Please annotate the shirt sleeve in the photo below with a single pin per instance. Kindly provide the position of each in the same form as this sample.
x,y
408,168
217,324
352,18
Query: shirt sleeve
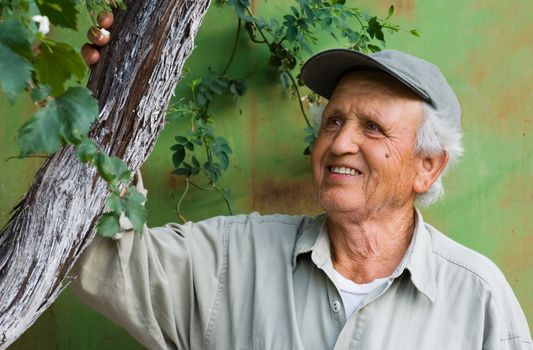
x,y
148,285
506,326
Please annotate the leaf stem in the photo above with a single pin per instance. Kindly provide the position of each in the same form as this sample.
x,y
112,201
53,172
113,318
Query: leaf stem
x,y
228,204
258,29
234,49
199,187
297,90
182,197
23,157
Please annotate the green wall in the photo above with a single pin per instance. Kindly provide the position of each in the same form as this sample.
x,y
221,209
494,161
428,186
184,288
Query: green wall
x,y
484,49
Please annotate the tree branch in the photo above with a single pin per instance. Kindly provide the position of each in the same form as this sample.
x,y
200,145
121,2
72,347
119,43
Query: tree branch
x,y
56,220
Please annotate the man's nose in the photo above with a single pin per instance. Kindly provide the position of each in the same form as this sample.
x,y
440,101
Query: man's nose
x,y
347,140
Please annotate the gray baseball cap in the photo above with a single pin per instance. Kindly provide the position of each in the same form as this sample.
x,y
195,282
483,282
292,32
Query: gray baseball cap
x,y
322,72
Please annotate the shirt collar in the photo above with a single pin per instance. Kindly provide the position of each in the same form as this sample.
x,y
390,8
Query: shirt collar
x,y
417,259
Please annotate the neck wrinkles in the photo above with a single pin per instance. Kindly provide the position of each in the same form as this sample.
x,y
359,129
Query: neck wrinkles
x,y
365,249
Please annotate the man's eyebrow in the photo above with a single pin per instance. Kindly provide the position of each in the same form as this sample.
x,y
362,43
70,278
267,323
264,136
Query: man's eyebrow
x,y
333,110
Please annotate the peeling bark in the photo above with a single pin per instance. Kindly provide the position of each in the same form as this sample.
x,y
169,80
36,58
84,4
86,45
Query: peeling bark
x,y
56,220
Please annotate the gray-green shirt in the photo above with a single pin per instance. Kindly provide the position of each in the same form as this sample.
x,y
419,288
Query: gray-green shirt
x,y
265,282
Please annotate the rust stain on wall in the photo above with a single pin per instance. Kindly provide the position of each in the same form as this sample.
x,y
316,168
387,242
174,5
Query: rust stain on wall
x,y
287,196
404,7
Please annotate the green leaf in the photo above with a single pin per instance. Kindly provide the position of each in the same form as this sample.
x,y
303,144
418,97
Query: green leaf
x,y
120,169
86,151
77,109
390,12
62,13
114,203
182,172
224,160
17,37
40,93
64,120
105,166
195,162
133,208
42,132
56,63
181,139
15,72
108,225
415,32
112,168
15,50
178,156
373,48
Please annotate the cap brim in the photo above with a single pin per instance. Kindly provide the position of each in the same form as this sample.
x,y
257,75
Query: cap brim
x,y
322,72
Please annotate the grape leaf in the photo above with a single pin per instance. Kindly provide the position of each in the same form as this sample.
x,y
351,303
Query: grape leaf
x,y
15,69
40,93
62,13
15,36
133,208
113,202
41,133
86,150
77,109
15,72
65,120
108,225
120,169
56,63
105,166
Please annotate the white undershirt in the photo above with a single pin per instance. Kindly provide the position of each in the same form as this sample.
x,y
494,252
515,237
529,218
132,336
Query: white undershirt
x,y
352,293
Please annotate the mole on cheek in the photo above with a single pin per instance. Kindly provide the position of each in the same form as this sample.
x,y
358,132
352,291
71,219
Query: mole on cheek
x,y
387,155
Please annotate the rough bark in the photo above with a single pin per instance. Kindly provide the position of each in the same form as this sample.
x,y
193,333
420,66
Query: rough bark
x,y
56,220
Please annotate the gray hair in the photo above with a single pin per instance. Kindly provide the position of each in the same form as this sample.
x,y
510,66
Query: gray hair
x,y
434,136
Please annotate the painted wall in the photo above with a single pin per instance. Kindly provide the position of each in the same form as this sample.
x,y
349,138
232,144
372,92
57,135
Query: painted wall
x,y
484,48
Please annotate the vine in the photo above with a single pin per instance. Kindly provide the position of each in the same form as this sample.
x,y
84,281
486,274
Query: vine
x,y
50,71
287,39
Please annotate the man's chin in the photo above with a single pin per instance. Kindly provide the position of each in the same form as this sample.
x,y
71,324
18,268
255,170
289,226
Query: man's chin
x,y
340,203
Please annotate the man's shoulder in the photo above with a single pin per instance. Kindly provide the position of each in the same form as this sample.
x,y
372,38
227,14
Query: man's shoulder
x,y
252,224
255,219
455,256
465,272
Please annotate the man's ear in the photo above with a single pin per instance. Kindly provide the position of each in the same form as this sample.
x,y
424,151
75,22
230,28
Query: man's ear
x,y
429,170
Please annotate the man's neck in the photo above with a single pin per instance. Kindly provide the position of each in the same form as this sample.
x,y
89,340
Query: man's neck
x,y
364,249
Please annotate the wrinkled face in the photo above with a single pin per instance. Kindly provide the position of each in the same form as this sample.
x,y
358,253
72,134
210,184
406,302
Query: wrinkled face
x,y
363,159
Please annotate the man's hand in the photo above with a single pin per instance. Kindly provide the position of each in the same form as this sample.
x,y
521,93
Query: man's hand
x,y
99,36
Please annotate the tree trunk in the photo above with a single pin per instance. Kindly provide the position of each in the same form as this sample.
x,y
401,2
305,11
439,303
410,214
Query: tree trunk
x,y
133,83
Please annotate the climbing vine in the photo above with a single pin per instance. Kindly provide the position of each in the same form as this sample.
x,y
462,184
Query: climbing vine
x,y
33,62
288,39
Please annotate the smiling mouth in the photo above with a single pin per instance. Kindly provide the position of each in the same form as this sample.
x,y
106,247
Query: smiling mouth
x,y
344,171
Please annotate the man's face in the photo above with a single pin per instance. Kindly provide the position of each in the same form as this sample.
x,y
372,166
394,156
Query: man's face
x,y
363,159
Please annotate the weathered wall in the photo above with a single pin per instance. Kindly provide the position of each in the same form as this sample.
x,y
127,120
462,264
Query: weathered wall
x,y
482,46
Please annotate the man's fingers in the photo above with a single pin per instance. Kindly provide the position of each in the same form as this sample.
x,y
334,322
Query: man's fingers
x,y
90,54
98,36
105,19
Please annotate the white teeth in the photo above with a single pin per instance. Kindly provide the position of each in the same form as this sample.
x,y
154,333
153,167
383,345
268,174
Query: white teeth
x,y
345,171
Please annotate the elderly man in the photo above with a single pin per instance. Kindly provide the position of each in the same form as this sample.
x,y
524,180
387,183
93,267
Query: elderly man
x,y
367,274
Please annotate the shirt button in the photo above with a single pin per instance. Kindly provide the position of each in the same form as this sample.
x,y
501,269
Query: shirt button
x,y
336,305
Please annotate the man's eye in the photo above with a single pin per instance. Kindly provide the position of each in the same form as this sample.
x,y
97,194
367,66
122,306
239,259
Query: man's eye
x,y
333,122
373,127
